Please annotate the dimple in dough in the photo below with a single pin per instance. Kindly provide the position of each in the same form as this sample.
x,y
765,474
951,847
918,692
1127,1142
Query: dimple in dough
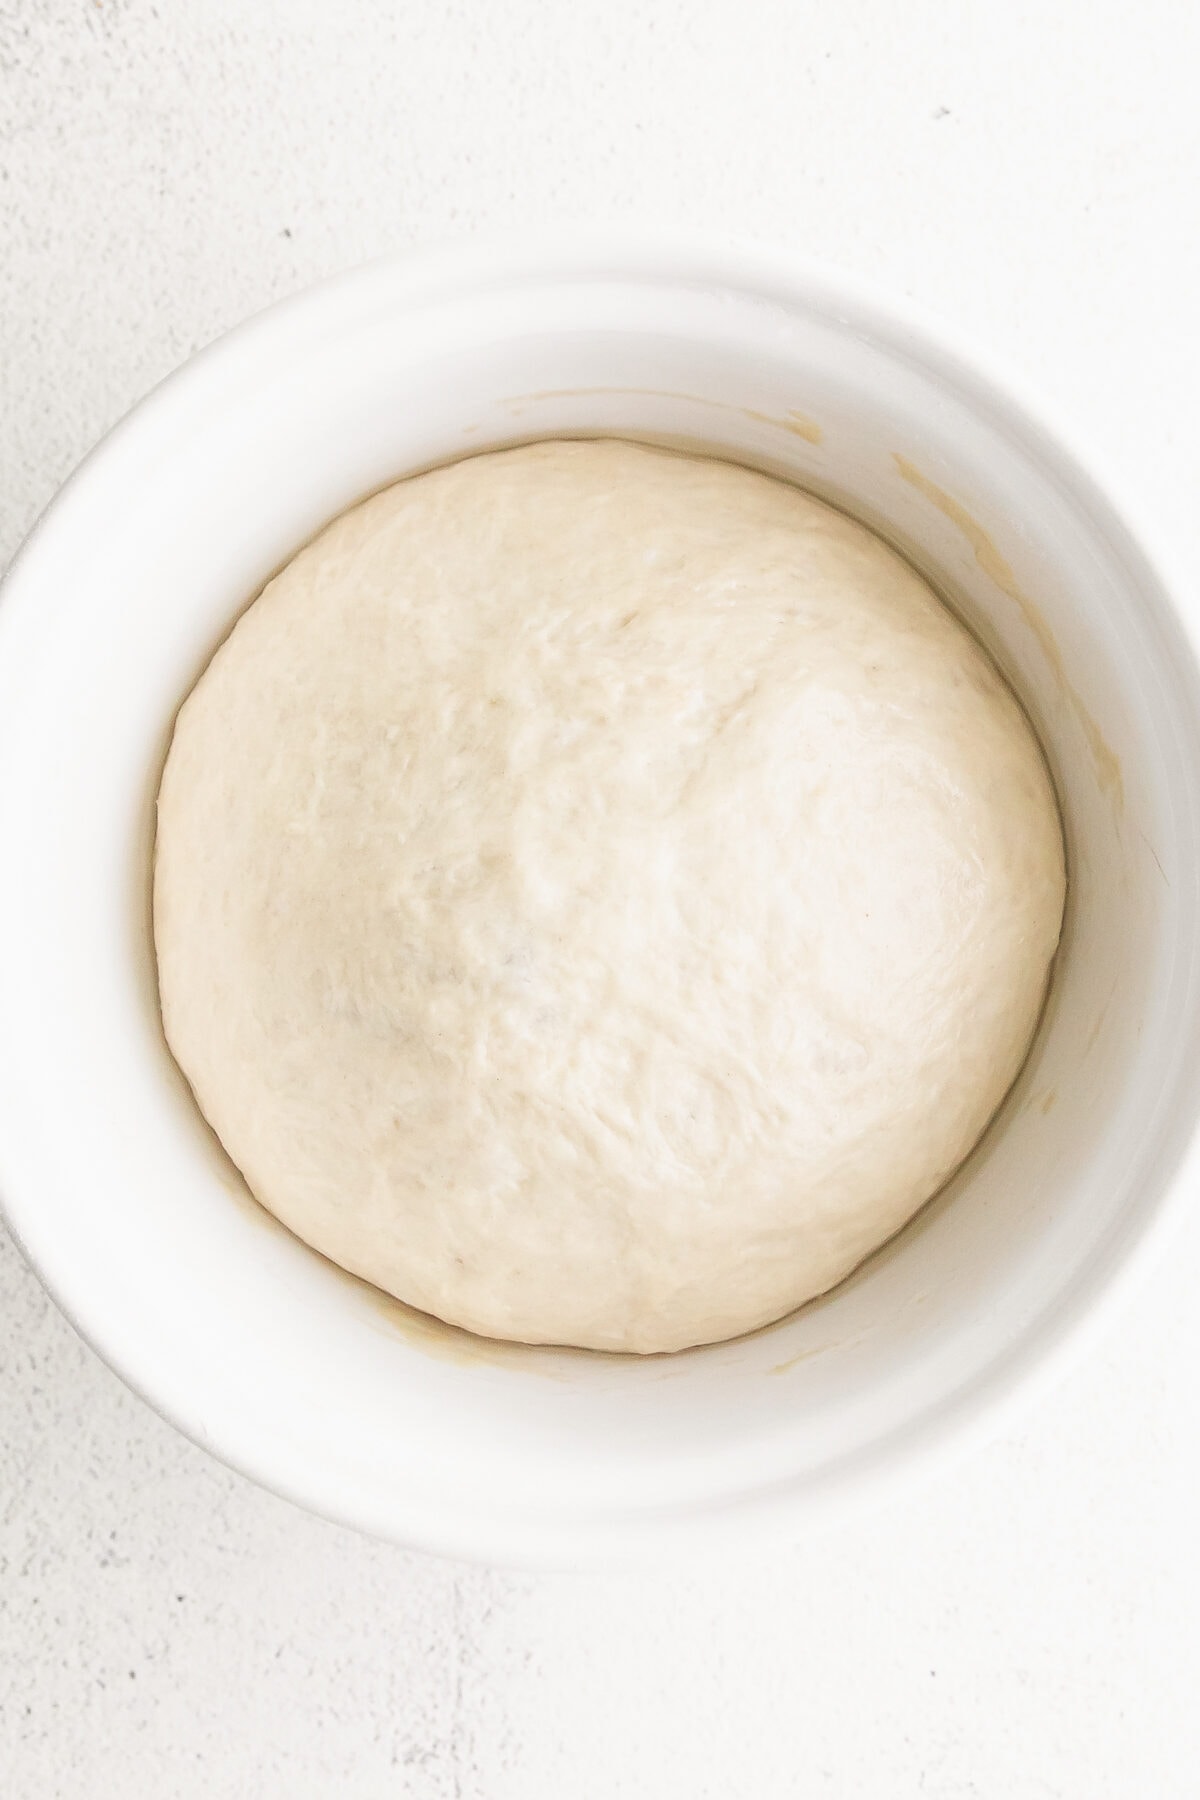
x,y
601,894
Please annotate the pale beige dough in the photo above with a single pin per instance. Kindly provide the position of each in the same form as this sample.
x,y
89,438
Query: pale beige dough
x,y
601,894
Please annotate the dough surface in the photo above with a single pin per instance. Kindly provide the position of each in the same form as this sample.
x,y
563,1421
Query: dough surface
x,y
601,894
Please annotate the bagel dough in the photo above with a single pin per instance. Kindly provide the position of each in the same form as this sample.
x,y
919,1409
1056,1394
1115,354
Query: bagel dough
x,y
601,894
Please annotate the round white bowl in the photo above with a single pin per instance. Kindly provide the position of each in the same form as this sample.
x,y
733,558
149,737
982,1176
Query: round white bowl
x,y
312,1382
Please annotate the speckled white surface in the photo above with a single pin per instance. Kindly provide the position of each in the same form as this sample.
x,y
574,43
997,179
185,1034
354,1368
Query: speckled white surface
x,y
1023,1628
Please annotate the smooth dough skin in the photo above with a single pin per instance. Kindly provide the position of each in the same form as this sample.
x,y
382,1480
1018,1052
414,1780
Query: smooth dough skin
x,y
601,894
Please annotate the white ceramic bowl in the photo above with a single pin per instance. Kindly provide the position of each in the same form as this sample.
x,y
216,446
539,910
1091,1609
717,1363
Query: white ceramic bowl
x,y
310,1381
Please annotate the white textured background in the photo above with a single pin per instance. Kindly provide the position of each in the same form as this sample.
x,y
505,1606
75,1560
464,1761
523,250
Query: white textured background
x,y
1028,1626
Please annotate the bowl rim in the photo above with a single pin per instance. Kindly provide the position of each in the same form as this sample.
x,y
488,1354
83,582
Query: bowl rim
x,y
584,255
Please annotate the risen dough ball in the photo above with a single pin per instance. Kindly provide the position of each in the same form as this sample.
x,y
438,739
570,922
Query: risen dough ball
x,y
601,894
